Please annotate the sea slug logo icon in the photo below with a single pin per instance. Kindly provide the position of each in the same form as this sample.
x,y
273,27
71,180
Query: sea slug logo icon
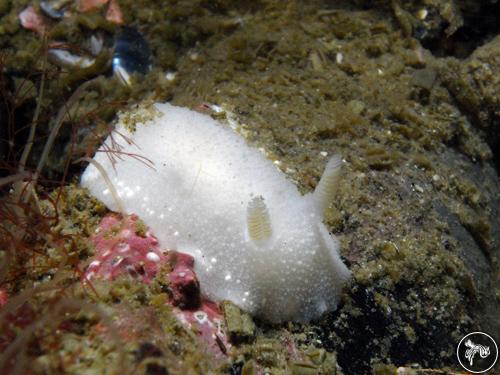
x,y
484,351
477,352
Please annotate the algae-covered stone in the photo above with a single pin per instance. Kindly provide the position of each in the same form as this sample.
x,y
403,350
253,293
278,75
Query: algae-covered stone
x,y
424,78
239,324
475,84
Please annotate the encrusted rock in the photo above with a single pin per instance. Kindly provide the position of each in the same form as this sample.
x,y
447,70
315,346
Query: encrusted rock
x,y
239,324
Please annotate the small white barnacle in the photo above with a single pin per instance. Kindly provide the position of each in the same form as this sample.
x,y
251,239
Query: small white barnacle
x,y
327,185
153,257
258,221
201,316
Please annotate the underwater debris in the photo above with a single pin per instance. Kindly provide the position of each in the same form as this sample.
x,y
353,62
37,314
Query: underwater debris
x,y
129,53
32,20
58,9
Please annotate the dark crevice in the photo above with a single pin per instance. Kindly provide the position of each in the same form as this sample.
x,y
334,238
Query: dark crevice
x,y
479,26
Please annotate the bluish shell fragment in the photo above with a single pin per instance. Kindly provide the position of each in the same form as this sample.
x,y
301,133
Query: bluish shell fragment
x,y
131,54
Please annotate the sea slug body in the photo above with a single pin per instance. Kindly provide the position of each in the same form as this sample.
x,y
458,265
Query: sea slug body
x,y
255,239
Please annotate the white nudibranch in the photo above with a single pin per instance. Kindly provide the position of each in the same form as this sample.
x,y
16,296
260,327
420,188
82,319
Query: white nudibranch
x,y
255,239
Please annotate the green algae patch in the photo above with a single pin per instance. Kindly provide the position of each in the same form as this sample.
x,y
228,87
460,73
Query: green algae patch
x,y
144,113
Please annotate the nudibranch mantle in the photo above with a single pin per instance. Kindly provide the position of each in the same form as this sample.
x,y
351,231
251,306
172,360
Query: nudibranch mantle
x,y
256,240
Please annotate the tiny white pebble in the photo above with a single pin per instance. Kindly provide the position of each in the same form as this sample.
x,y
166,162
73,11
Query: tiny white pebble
x,y
216,108
227,278
95,263
419,188
153,257
422,14
323,153
182,274
339,57
170,76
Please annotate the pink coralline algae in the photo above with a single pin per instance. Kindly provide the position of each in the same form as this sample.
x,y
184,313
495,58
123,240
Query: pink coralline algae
x,y
125,246
185,288
207,320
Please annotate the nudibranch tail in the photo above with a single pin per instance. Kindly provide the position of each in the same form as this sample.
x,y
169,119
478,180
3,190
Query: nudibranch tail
x,y
258,221
327,186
